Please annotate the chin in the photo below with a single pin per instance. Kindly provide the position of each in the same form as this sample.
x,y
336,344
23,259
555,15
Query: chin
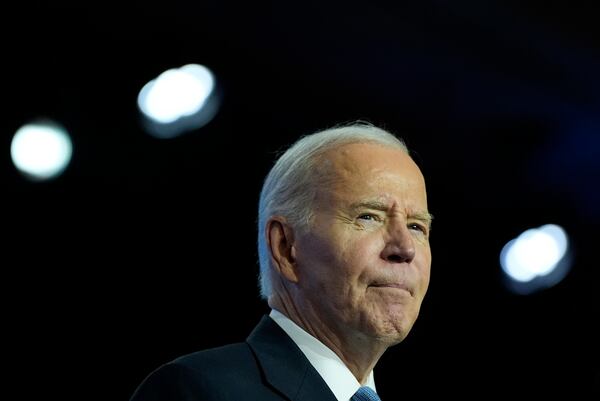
x,y
396,335
389,324
395,328
390,338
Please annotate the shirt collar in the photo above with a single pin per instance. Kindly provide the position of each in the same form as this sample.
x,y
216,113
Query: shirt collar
x,y
332,369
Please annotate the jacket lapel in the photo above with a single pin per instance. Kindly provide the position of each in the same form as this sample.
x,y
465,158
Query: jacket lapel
x,y
285,367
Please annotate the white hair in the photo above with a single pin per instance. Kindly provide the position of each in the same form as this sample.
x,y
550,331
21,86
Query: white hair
x,y
291,186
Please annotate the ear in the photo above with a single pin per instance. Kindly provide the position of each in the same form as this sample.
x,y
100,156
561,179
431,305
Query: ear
x,y
280,240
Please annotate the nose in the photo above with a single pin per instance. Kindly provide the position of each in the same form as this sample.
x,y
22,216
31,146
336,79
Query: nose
x,y
399,244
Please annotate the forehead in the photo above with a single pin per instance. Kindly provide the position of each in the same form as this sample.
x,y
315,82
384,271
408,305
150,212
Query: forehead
x,y
362,155
359,170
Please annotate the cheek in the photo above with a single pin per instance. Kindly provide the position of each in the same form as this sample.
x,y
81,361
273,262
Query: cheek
x,y
424,264
340,260
320,261
360,257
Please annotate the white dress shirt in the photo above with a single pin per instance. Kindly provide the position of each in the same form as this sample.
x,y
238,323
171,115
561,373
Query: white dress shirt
x,y
336,374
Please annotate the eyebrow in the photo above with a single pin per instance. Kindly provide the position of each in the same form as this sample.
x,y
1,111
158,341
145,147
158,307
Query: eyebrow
x,y
371,204
423,216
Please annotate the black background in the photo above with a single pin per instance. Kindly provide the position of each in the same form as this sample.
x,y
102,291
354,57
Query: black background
x,y
133,255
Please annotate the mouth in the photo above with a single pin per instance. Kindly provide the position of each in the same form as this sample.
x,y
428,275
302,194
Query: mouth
x,y
397,286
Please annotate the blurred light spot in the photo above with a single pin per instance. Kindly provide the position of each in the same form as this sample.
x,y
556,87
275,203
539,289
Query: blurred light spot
x,y
41,150
178,100
536,259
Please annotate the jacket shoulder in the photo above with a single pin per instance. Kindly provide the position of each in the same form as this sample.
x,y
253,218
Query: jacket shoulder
x,y
226,373
219,361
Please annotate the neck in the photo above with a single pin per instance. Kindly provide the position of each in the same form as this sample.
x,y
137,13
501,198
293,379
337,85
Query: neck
x,y
359,352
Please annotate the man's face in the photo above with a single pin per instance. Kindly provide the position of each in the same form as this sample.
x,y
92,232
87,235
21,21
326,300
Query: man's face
x,y
364,263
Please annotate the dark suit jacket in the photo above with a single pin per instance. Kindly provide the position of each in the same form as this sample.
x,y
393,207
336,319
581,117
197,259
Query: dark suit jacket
x,y
269,366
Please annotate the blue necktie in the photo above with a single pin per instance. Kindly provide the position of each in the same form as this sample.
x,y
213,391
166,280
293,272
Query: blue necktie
x,y
365,394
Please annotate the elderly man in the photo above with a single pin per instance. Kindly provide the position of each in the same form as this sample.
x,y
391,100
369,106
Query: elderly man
x,y
345,261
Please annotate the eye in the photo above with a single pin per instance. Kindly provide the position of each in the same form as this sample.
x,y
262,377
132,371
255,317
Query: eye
x,y
368,217
418,227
